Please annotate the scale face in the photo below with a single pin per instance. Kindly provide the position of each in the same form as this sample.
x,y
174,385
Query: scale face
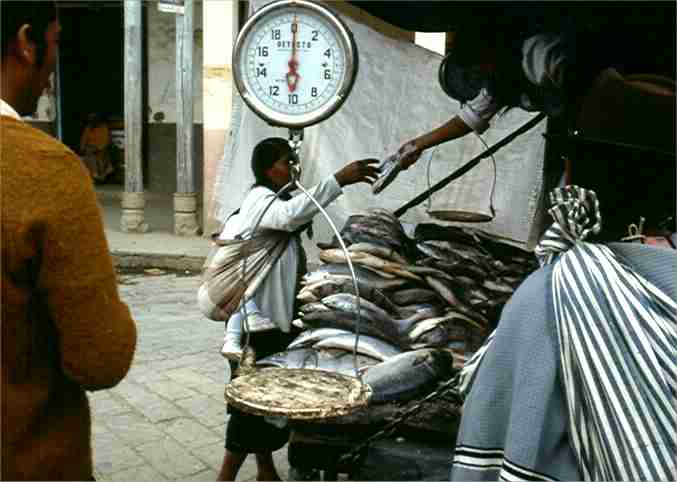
x,y
294,63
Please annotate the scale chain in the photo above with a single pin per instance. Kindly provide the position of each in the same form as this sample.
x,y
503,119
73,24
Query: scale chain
x,y
450,386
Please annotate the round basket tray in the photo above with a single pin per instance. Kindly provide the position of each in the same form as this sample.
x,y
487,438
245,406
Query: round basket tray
x,y
297,393
460,216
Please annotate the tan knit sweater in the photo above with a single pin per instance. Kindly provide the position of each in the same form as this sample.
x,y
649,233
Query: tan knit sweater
x,y
64,328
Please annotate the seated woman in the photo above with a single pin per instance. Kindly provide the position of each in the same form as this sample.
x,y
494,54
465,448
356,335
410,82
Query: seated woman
x,y
579,379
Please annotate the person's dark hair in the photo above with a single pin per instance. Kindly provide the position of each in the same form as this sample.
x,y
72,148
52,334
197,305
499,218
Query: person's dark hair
x,y
37,14
265,154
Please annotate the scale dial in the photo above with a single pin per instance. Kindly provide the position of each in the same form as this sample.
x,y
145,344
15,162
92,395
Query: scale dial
x,y
294,63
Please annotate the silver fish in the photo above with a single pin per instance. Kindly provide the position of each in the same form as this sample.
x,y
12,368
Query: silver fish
x,y
363,275
346,320
337,361
348,303
409,375
331,286
310,337
421,311
313,307
366,345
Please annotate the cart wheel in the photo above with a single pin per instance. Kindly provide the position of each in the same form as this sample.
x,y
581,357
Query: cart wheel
x,y
299,474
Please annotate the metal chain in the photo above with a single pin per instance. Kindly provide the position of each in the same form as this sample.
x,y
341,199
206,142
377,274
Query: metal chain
x,y
450,386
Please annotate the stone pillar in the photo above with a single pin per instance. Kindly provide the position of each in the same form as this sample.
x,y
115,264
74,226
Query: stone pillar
x,y
185,199
133,199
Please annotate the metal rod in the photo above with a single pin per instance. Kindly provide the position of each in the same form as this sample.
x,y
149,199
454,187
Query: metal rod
x,y
469,165
352,274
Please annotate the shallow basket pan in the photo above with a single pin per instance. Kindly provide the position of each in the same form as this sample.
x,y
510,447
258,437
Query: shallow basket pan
x,y
297,393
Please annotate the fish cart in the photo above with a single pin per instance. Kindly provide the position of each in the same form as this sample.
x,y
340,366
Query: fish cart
x,y
428,300
419,448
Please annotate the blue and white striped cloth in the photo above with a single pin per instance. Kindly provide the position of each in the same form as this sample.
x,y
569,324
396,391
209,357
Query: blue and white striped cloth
x,y
617,335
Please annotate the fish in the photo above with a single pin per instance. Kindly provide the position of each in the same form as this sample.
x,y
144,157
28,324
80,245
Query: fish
x,y
310,337
408,375
413,295
313,307
369,261
347,320
337,361
427,231
348,302
443,289
330,286
334,271
457,268
498,287
420,311
380,251
366,345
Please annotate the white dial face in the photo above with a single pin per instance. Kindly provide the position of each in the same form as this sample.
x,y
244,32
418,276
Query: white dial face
x,y
293,61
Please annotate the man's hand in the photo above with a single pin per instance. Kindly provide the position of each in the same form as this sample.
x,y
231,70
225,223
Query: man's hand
x,y
363,170
409,154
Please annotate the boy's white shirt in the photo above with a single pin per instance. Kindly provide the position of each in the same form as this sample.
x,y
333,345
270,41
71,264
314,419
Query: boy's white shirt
x,y
275,297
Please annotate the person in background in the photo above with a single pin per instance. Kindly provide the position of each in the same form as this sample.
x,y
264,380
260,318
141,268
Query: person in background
x,y
64,329
567,74
271,308
94,147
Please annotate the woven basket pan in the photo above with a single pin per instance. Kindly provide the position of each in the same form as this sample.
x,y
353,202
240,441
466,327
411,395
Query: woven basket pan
x,y
298,394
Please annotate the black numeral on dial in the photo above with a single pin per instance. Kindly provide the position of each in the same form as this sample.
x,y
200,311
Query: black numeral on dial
x,y
293,99
327,74
262,51
327,53
274,90
261,72
316,35
313,92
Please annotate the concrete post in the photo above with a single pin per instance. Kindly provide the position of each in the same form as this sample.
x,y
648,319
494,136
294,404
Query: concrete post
x,y
133,200
185,199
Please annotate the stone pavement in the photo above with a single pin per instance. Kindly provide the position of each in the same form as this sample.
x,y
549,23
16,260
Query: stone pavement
x,y
166,419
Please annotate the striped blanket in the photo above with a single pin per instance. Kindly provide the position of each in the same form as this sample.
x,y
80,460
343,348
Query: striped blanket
x,y
223,286
611,396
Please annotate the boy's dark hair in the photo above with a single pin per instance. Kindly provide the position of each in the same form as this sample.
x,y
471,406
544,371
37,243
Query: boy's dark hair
x,y
265,154
37,14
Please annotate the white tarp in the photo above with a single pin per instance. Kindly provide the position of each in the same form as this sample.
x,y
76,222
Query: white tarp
x,y
396,97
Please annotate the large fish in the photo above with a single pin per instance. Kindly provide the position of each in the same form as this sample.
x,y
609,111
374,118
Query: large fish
x,y
368,260
348,303
380,251
309,337
337,361
331,286
457,268
421,311
347,320
366,345
413,295
336,271
409,375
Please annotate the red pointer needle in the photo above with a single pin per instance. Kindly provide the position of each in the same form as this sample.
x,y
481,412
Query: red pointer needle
x,y
293,76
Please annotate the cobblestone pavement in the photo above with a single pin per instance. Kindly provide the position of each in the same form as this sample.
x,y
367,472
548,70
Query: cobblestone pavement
x,y
166,419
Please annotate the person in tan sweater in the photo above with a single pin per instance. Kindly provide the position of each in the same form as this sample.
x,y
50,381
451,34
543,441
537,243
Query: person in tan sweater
x,y
64,328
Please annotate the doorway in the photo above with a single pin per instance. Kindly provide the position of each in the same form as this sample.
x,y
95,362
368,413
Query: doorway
x,y
91,73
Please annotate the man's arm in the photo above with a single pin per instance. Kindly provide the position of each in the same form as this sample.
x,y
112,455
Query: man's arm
x,y
450,130
97,335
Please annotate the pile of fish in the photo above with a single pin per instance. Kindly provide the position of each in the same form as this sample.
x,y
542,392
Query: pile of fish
x,y
426,303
